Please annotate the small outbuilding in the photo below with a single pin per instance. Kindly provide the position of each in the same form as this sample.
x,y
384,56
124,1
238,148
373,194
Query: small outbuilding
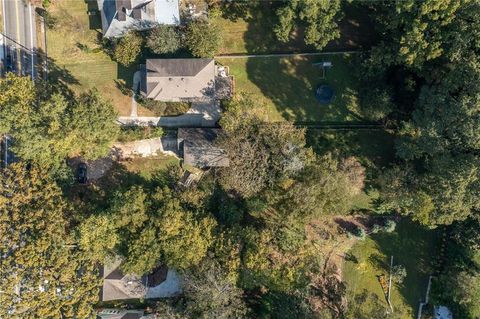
x,y
197,145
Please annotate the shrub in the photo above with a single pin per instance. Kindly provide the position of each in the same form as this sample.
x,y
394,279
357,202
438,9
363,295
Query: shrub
x,y
203,38
390,226
360,233
376,104
376,228
164,39
128,48
160,108
128,134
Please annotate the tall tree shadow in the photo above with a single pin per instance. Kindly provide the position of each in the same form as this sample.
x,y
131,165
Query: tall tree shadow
x,y
414,247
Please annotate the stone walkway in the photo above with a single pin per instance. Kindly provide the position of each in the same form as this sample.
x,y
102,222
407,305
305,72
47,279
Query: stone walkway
x,y
161,145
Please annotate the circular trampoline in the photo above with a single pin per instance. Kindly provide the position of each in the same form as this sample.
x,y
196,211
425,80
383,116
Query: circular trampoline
x,y
324,94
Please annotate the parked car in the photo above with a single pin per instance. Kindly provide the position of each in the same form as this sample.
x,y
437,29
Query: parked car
x,y
82,173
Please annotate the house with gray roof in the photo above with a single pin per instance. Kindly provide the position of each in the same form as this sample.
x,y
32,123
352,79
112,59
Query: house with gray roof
x,y
178,80
113,313
197,145
160,283
121,16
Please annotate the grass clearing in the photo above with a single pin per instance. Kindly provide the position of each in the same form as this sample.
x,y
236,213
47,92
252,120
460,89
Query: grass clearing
x,y
76,56
287,86
251,31
146,166
412,246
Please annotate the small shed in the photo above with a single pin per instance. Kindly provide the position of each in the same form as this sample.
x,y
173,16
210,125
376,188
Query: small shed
x,y
197,146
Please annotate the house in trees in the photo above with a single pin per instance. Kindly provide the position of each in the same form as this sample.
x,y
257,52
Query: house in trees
x,y
197,146
120,16
185,80
160,283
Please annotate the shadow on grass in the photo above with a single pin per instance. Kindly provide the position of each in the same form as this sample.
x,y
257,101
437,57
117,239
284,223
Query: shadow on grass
x,y
125,74
59,78
94,18
412,246
374,148
96,194
290,83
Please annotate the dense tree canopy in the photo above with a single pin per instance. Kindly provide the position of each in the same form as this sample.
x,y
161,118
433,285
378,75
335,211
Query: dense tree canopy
x,y
203,38
47,128
158,228
318,17
43,275
261,154
164,39
127,49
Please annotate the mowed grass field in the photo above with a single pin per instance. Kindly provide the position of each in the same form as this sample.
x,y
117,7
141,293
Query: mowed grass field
x,y
251,30
77,59
287,85
410,245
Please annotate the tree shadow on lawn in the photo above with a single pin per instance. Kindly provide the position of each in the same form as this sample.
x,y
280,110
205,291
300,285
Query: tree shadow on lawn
x,y
290,83
60,78
375,149
356,28
95,196
94,18
412,246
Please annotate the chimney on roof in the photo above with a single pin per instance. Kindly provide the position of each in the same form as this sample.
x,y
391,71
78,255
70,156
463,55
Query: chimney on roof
x,y
122,14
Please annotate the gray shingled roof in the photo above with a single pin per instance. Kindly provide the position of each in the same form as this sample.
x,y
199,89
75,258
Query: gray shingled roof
x,y
120,16
199,149
174,80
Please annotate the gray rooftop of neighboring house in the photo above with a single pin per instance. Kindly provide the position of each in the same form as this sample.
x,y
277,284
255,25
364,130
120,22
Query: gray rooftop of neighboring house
x,y
120,16
120,286
199,150
113,313
175,80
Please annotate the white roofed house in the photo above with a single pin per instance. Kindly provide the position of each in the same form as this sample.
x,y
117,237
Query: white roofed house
x,y
121,16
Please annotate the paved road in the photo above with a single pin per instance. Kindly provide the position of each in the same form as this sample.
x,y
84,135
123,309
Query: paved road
x,y
20,38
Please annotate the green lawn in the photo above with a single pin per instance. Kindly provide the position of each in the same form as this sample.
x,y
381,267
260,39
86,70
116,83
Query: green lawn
x,y
251,31
145,167
287,87
412,246
76,58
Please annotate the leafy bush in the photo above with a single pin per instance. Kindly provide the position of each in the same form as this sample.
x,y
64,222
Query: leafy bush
x,y
390,226
128,48
203,38
360,233
160,108
164,39
133,133
376,104
376,228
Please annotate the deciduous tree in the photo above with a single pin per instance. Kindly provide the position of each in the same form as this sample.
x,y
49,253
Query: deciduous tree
x,y
203,38
318,17
127,50
43,276
164,39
